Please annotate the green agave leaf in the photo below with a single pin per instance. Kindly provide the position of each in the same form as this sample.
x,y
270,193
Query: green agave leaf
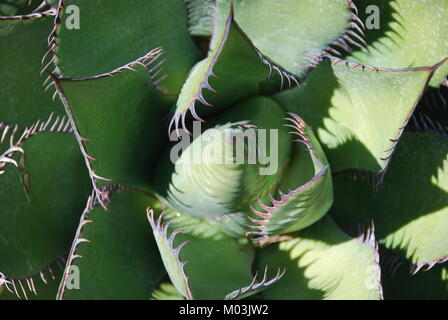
x,y
255,287
324,263
42,286
232,71
130,126
170,255
20,7
40,202
344,102
166,291
431,285
211,178
23,43
275,26
410,34
113,32
203,276
302,204
410,208
200,17
114,252
233,225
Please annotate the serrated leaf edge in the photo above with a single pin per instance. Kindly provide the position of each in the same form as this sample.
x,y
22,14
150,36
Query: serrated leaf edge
x,y
255,286
162,229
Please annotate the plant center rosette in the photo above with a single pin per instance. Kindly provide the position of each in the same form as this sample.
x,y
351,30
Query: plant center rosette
x,y
253,163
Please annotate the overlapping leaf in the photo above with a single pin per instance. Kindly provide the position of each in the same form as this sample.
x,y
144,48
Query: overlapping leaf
x,y
127,138
405,34
23,43
113,253
113,32
308,186
232,71
410,209
211,177
357,110
40,203
324,263
274,27
202,275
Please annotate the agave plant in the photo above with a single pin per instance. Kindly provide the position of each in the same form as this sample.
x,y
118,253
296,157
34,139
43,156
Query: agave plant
x,y
123,175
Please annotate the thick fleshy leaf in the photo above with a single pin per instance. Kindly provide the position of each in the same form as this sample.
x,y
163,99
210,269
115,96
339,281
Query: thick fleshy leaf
x,y
166,291
170,254
114,32
431,285
324,263
358,112
19,7
255,286
41,286
40,203
292,33
232,71
126,141
113,253
410,209
194,261
211,177
23,43
308,186
200,17
409,34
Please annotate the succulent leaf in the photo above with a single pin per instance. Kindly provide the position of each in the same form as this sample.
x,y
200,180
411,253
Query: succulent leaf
x,y
123,266
273,27
410,208
202,277
255,287
113,33
410,34
166,291
22,7
41,286
208,82
122,99
301,205
201,15
211,178
40,203
344,102
23,43
170,254
324,263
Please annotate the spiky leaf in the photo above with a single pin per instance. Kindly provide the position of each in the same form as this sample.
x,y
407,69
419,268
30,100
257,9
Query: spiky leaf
x,y
233,69
308,186
410,209
129,129
324,263
23,43
114,251
291,33
40,203
409,34
112,33
357,110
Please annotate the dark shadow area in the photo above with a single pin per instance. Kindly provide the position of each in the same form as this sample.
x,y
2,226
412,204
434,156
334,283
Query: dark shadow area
x,y
407,193
431,113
